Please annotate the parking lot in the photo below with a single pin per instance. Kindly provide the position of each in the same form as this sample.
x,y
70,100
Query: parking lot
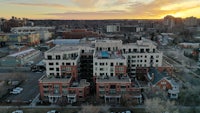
x,y
30,89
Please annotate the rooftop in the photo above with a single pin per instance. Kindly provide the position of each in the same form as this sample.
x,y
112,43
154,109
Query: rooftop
x,y
157,75
22,53
55,80
82,83
109,55
62,48
114,79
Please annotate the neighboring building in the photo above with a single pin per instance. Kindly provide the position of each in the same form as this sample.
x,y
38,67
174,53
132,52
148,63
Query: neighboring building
x,y
20,58
28,39
44,32
191,21
162,80
113,28
143,53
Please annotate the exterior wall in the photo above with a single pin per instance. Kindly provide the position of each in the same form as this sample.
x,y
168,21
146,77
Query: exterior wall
x,y
106,88
63,89
113,28
164,84
102,67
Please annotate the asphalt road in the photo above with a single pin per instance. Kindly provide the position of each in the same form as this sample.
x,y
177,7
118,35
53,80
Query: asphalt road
x,y
30,88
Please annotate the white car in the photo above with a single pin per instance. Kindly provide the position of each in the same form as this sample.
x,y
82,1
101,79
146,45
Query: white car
x,y
17,111
15,92
18,88
53,111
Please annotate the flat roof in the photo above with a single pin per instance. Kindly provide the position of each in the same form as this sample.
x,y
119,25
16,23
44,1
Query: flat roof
x,y
45,79
62,48
21,53
114,79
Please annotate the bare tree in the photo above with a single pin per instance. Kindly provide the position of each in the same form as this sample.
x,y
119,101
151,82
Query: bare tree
x,y
156,105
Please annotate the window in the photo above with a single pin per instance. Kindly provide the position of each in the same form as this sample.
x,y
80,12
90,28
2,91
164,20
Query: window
x,y
57,69
111,64
51,68
111,74
64,86
157,56
45,86
133,61
49,57
133,56
50,63
58,57
101,64
68,64
57,63
101,69
156,60
121,64
96,63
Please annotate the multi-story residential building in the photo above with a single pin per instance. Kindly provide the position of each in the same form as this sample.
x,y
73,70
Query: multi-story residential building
x,y
118,88
143,53
111,63
62,75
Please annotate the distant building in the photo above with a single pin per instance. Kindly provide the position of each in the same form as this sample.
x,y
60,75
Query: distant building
x,y
169,21
28,39
113,28
191,21
20,58
42,31
130,28
79,34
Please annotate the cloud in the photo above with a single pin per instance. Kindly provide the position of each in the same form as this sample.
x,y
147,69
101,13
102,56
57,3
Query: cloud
x,y
154,9
39,4
113,14
85,3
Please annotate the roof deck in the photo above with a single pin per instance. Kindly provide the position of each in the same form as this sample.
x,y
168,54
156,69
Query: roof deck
x,y
114,79
109,55
52,79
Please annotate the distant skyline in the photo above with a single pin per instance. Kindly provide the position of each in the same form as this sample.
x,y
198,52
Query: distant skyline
x,y
98,9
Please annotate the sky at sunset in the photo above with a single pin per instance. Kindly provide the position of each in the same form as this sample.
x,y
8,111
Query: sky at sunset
x,y
98,9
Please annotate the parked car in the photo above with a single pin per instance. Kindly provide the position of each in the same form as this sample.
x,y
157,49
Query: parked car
x,y
15,92
17,111
18,88
53,111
